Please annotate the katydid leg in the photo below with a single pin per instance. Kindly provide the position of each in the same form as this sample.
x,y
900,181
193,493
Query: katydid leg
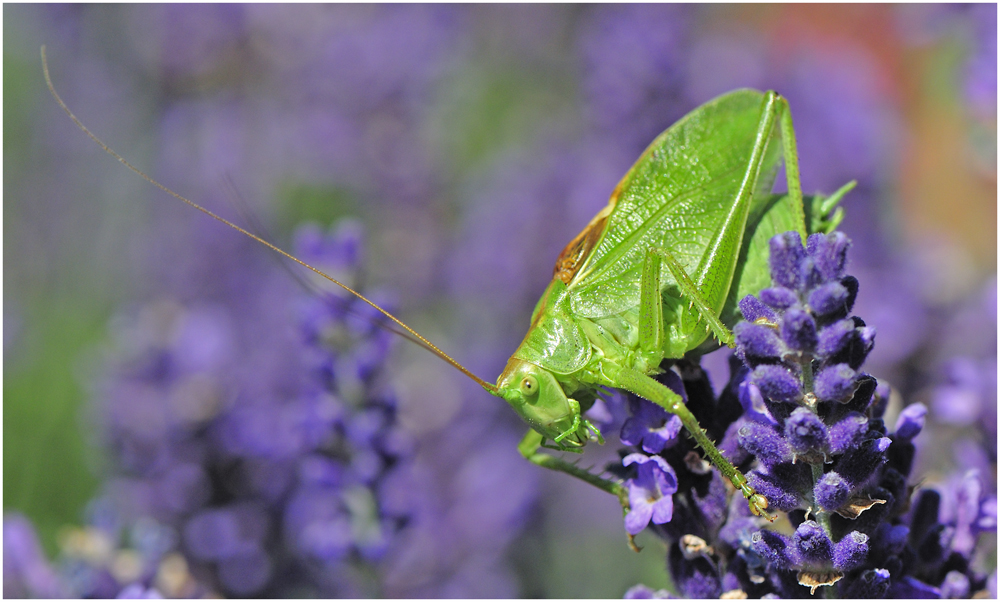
x,y
529,448
688,290
647,388
791,152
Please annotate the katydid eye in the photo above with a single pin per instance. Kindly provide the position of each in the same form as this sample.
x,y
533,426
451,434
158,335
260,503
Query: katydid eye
x,y
529,386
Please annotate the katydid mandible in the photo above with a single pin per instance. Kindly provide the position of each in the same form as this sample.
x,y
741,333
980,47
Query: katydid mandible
x,y
654,276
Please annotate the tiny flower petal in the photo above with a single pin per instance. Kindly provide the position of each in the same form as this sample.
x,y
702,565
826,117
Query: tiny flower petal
x,y
835,383
777,383
651,427
649,493
851,551
779,297
911,421
638,517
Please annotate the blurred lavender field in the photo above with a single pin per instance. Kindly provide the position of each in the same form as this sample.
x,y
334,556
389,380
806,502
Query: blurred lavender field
x,y
164,376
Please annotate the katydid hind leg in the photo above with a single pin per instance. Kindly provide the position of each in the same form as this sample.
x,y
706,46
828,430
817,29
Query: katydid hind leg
x,y
690,292
651,306
791,152
656,392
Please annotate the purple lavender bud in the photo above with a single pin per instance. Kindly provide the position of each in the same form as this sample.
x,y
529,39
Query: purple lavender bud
x,y
829,299
867,337
873,583
779,490
813,544
851,284
805,431
881,400
829,251
910,587
753,403
212,535
246,573
895,538
835,383
695,577
866,385
714,503
137,591
786,259
779,297
757,340
730,443
798,330
643,592
858,464
955,585
834,338
26,571
851,551
777,383
764,442
774,548
849,432
831,491
911,421
810,275
753,310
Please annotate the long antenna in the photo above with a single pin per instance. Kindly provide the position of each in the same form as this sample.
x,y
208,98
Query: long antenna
x,y
433,348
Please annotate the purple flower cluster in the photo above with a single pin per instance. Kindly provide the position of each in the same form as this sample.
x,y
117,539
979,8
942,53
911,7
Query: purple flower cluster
x,y
106,558
277,483
812,425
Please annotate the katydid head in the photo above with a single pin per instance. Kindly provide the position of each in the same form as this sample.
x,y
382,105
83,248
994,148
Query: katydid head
x,y
538,398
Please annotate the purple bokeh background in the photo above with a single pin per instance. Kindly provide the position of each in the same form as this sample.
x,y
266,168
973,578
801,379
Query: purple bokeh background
x,y
472,143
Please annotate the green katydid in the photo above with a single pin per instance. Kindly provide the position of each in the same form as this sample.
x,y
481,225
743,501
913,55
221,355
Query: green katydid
x,y
654,276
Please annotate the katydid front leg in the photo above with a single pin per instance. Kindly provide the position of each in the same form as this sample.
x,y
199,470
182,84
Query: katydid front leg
x,y
532,442
647,388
